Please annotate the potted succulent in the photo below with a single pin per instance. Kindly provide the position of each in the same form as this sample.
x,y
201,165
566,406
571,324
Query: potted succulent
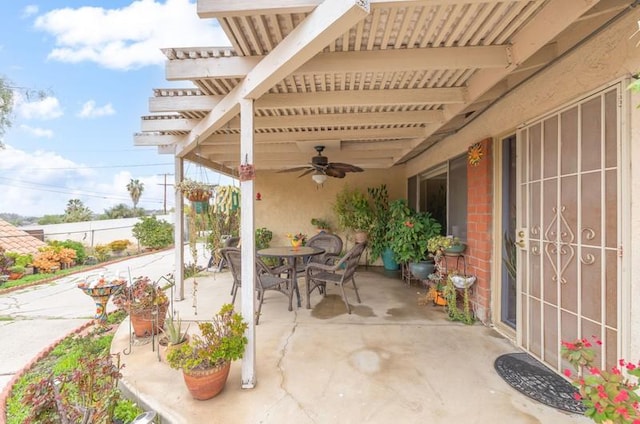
x,y
354,212
172,336
146,303
206,359
447,244
409,232
195,191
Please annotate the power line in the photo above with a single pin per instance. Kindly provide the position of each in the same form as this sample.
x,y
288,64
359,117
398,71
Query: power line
x,y
64,190
98,167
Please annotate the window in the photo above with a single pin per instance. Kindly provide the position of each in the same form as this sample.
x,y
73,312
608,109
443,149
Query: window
x,y
442,191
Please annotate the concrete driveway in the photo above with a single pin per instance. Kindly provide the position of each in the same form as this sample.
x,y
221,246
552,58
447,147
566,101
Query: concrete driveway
x,y
33,318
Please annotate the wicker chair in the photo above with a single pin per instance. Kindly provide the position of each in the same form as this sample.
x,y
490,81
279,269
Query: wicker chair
x,y
330,243
318,275
266,278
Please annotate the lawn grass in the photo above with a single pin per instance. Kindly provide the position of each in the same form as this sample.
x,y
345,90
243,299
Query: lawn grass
x,y
34,278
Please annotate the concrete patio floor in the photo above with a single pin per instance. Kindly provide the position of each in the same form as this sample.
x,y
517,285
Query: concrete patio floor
x,y
391,360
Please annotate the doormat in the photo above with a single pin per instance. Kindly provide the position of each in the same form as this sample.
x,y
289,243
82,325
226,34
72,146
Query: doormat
x,y
533,379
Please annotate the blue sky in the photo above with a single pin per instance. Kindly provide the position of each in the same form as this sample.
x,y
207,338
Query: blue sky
x,y
98,65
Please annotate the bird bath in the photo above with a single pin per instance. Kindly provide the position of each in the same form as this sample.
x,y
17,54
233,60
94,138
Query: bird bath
x,y
100,288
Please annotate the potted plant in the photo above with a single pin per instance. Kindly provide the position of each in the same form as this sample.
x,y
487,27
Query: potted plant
x,y
146,303
450,246
379,238
354,212
195,191
321,224
172,336
16,272
206,359
409,232
297,239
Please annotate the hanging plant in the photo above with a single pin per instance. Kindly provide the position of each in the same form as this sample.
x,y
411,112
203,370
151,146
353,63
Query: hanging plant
x,y
194,191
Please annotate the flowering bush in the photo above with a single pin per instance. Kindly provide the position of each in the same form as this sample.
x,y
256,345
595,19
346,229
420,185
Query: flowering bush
x,y
141,295
609,395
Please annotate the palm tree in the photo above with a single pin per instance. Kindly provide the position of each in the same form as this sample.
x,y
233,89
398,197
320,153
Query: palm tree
x,y
135,188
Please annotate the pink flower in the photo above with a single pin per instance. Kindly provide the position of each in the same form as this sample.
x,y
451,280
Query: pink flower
x,y
567,372
408,224
594,371
622,396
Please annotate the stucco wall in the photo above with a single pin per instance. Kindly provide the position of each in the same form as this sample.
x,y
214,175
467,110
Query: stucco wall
x,y
288,202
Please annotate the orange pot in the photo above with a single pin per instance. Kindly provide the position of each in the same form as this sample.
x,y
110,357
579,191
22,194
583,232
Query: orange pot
x,y
205,384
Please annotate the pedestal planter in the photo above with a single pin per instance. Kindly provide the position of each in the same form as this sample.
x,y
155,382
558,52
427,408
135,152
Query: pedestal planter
x,y
205,384
146,322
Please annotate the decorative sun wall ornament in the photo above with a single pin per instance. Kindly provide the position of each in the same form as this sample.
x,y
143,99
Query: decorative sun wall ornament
x,y
475,154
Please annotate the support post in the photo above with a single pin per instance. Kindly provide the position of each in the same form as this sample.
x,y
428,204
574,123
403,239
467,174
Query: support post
x,y
178,229
248,247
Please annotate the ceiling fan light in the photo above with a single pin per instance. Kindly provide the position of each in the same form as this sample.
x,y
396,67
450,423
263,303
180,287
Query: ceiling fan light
x,y
319,178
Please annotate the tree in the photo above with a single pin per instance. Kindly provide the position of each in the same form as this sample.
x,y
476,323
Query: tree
x,y
119,211
51,219
6,106
135,188
76,211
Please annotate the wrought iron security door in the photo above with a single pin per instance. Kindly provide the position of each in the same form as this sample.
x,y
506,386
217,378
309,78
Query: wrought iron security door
x,y
568,229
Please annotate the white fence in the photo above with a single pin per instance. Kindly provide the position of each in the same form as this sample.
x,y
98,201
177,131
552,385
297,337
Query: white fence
x,y
91,233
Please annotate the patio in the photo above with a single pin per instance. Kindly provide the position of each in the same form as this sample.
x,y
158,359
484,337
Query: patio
x,y
391,360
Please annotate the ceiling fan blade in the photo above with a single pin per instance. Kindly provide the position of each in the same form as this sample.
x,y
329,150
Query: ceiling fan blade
x,y
297,168
308,171
333,172
346,167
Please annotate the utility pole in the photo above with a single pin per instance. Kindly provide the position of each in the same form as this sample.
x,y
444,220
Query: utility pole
x,y
165,190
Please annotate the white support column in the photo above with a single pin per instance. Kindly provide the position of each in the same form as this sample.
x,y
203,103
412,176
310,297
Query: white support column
x,y
248,244
178,232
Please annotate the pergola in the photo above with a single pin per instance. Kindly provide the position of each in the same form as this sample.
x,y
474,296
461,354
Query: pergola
x,y
376,82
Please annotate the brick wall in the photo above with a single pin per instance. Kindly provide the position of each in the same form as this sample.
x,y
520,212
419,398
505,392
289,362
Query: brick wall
x,y
479,230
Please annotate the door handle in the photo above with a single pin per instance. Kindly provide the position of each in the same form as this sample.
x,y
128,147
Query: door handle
x,y
521,239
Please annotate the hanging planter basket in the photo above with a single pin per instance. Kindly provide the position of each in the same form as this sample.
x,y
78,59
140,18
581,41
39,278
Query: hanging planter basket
x,y
200,207
198,195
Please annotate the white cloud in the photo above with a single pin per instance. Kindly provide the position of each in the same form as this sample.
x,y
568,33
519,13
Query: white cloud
x,y
34,184
130,37
89,110
30,10
37,132
45,108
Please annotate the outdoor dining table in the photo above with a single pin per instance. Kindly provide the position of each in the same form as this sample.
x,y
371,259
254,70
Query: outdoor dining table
x,y
291,253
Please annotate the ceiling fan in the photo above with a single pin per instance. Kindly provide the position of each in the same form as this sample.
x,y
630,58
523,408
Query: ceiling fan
x,y
321,166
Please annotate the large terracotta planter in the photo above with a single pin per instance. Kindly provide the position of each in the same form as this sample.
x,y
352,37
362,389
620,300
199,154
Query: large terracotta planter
x,y
205,384
144,321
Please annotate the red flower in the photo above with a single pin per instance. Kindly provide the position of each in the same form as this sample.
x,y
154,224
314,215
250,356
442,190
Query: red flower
x,y
408,224
567,372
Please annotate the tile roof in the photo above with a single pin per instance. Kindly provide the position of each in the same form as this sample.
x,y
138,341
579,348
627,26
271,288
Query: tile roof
x,y
12,239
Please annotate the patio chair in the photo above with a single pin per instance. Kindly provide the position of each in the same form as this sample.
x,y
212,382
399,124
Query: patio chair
x,y
330,243
231,255
228,242
341,273
266,278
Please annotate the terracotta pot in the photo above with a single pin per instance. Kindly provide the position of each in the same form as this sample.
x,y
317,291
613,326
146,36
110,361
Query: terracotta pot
x,y
143,321
205,384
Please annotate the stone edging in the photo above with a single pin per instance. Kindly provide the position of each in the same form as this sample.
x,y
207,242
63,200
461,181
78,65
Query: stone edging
x,y
97,266
43,353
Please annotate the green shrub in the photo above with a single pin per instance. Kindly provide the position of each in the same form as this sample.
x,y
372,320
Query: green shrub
x,y
81,254
153,233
